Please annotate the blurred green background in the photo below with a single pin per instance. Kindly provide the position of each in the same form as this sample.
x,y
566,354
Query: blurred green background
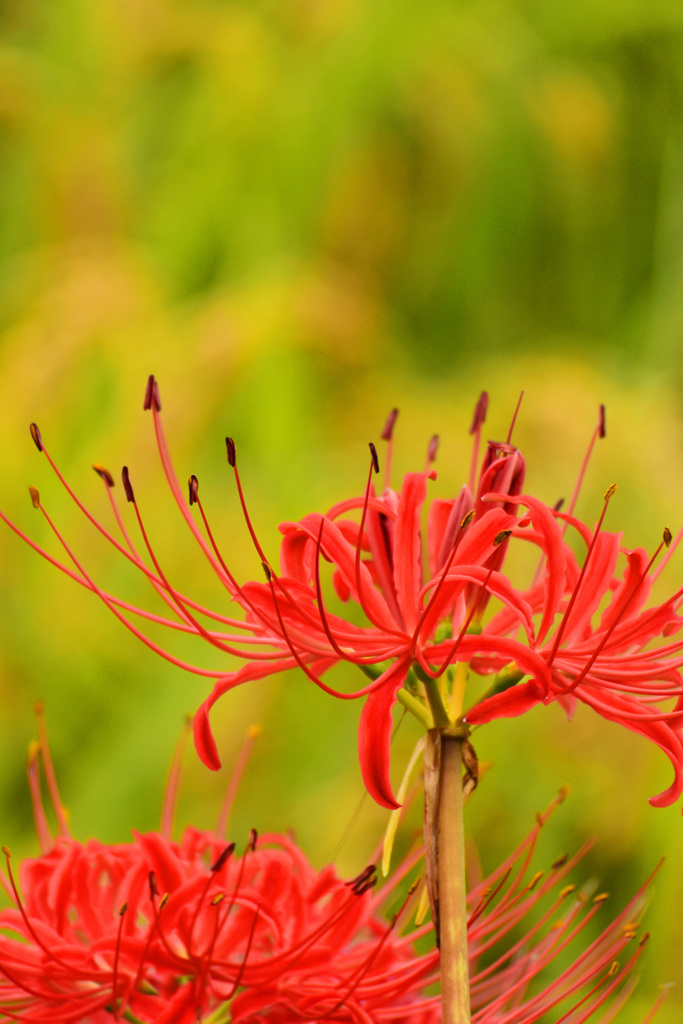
x,y
299,214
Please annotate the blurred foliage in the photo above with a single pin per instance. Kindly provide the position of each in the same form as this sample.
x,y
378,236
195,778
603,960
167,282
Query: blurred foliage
x,y
298,214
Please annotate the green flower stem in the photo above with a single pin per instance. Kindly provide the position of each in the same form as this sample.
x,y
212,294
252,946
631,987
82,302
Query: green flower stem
x,y
436,705
416,707
455,986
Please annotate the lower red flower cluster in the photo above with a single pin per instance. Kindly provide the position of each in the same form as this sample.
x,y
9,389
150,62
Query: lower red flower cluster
x,y
161,932
169,932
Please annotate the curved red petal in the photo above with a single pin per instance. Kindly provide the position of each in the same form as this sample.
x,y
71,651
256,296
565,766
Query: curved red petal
x,y
408,547
374,733
509,704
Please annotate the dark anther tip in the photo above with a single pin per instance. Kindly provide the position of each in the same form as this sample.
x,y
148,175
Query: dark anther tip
x,y
375,460
35,434
432,448
104,473
558,504
253,836
227,852
388,431
35,496
122,909
152,394
266,570
232,452
666,537
500,537
467,519
480,411
602,431
127,486
193,487
153,891
362,879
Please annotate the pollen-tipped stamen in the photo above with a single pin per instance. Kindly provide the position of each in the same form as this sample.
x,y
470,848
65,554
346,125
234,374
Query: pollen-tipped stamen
x,y
321,604
20,907
235,779
301,663
182,608
442,579
388,436
115,973
171,790
603,641
43,833
478,421
575,593
432,449
463,630
599,432
514,418
50,775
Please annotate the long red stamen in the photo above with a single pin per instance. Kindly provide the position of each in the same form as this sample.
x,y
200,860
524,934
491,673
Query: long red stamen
x,y
388,436
115,977
148,942
514,417
20,906
42,827
180,605
113,605
213,871
318,589
232,461
584,567
599,432
243,964
587,667
357,977
171,791
463,631
264,620
199,982
442,579
50,776
374,467
478,421
235,780
176,491
300,662
432,449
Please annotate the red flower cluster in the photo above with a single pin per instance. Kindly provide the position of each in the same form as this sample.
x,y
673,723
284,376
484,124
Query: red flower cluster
x,y
174,933
580,630
169,932
178,932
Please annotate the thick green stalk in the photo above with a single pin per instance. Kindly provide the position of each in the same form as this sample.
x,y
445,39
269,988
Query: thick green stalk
x,y
455,986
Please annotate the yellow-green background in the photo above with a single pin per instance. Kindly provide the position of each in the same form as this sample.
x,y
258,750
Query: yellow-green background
x,y
298,214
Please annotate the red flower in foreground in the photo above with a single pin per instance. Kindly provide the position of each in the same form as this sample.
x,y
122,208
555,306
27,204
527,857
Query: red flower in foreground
x,y
175,932
172,933
436,603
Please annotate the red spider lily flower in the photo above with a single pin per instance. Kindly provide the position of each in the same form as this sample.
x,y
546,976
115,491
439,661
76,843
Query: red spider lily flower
x,y
436,602
178,932
598,644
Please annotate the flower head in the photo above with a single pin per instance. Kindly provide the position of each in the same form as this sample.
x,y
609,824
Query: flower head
x,y
178,932
436,602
